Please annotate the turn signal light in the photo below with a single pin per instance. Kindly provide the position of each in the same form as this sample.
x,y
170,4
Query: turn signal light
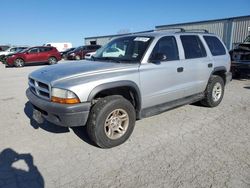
x,y
65,101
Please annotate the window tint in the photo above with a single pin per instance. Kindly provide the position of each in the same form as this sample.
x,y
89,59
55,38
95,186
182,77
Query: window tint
x,y
168,47
215,45
193,47
34,50
45,49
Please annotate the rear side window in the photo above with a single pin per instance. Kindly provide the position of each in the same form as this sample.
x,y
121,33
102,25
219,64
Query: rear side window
x,y
215,45
45,49
193,47
167,46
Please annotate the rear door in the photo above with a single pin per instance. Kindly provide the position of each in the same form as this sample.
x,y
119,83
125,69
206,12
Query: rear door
x,y
197,64
161,82
44,53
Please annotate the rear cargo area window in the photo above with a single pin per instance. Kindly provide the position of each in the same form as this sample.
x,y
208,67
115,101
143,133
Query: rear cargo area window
x,y
215,45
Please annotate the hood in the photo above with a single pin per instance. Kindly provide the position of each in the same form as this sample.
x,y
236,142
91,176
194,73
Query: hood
x,y
73,69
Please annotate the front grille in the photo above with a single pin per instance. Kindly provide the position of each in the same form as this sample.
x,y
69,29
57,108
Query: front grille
x,y
39,88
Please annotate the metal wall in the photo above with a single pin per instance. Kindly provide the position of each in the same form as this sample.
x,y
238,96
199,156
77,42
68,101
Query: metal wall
x,y
99,40
240,30
231,30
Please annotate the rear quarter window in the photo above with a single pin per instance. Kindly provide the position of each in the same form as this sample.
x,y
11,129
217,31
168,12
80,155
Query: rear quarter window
x,y
215,46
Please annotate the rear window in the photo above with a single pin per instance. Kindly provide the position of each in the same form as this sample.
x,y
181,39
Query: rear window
x,y
215,45
193,47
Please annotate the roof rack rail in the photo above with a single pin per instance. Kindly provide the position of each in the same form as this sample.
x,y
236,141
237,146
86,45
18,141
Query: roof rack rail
x,y
196,30
171,28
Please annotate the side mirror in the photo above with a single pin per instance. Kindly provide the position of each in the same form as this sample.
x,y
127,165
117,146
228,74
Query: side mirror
x,y
158,57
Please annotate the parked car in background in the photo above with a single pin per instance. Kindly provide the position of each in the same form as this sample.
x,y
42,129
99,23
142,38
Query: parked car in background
x,y
64,53
4,47
81,51
13,50
113,52
240,57
9,51
38,54
60,46
89,55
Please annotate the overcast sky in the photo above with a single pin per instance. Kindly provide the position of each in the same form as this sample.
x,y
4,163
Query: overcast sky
x,y
33,22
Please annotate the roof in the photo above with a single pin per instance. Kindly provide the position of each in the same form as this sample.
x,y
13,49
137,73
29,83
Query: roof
x,y
206,21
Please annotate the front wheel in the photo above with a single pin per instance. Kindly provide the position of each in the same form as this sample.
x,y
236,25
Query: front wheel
x,y
52,60
78,57
111,121
214,92
19,63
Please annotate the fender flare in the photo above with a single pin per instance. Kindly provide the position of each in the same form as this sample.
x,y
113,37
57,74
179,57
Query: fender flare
x,y
123,83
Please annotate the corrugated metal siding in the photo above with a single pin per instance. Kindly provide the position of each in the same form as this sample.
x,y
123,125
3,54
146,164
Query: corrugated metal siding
x,y
216,28
240,31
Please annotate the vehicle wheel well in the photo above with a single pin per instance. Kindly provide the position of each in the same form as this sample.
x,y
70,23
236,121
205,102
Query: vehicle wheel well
x,y
20,58
127,92
53,57
221,73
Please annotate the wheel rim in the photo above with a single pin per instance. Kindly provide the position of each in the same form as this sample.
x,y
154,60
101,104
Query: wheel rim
x,y
116,124
217,92
52,60
19,62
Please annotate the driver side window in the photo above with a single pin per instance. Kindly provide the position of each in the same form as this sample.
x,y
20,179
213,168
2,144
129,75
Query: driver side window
x,y
34,50
167,47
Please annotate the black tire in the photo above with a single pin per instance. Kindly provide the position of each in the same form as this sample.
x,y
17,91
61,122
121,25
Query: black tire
x,y
19,62
209,100
101,112
52,61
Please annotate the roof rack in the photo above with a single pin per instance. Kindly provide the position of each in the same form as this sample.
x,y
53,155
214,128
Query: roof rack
x,y
171,28
183,30
196,30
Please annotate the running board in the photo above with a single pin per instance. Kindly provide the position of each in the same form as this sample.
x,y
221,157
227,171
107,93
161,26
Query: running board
x,y
154,110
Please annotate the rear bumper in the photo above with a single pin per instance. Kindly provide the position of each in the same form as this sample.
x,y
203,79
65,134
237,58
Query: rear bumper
x,y
60,114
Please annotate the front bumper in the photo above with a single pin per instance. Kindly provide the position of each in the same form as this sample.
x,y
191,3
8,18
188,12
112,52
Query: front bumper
x,y
60,114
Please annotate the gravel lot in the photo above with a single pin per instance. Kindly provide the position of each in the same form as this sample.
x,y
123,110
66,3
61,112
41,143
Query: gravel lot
x,y
191,146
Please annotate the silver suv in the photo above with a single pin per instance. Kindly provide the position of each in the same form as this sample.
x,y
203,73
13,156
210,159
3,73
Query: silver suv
x,y
130,78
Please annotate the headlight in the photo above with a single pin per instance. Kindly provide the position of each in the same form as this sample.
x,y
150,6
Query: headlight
x,y
64,96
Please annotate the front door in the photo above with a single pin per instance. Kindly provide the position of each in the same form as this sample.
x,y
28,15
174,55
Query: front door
x,y
32,55
162,81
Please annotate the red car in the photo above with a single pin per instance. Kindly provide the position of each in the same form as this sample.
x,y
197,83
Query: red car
x,y
81,51
38,54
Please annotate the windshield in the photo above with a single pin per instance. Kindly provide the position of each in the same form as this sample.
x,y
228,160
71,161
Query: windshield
x,y
126,49
247,40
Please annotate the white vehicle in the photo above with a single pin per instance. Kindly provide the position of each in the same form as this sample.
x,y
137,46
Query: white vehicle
x,y
89,55
60,46
113,52
13,50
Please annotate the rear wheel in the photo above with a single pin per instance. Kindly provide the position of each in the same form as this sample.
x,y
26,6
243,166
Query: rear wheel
x,y
111,121
19,62
214,92
52,60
